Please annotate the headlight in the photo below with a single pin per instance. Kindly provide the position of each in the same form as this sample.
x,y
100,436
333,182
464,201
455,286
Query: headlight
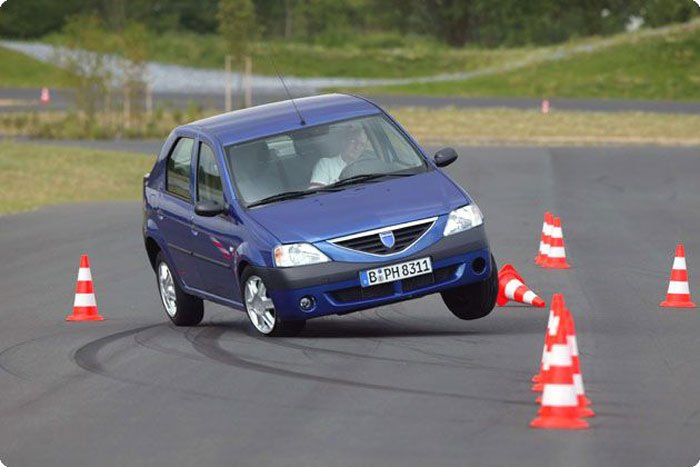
x,y
463,219
298,254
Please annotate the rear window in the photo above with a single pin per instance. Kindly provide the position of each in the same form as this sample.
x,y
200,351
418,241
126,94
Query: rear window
x,y
179,171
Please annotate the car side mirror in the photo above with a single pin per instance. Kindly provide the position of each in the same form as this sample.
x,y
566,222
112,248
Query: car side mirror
x,y
445,157
208,209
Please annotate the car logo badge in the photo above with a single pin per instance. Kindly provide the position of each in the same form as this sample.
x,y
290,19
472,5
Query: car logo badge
x,y
387,239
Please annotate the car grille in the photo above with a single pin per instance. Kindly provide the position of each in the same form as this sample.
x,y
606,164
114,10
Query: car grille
x,y
424,280
356,294
371,242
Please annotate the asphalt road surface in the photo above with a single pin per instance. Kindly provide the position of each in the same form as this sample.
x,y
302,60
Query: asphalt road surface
x,y
23,100
406,384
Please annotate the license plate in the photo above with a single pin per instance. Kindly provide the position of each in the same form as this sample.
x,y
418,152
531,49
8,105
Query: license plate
x,y
396,272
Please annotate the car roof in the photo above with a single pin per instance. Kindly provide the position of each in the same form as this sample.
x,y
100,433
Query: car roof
x,y
279,117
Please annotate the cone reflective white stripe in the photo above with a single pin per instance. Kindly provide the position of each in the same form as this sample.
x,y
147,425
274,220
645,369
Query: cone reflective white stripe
x,y
511,287
548,233
578,384
85,299
679,263
559,395
676,287
557,252
560,355
84,274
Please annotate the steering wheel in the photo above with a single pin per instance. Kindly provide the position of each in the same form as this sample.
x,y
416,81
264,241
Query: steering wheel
x,y
367,165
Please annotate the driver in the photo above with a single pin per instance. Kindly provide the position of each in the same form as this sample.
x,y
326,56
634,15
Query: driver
x,y
327,170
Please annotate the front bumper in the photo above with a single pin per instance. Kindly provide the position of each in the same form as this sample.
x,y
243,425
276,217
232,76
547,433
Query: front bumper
x,y
457,260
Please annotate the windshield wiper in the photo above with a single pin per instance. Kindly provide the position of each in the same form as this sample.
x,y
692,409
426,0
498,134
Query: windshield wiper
x,y
282,196
364,178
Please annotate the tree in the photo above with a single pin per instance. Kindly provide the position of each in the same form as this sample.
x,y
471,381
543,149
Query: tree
x,y
238,26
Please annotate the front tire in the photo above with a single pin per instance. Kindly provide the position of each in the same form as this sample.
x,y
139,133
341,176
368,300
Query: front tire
x,y
261,310
473,301
182,309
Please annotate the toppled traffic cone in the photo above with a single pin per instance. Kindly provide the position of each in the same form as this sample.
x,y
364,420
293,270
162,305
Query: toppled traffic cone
x,y
559,409
556,258
45,96
84,306
512,287
678,295
545,238
581,399
552,326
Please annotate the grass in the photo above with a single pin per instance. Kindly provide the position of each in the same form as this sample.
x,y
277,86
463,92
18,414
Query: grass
x,y
659,66
505,126
440,126
21,71
34,175
416,57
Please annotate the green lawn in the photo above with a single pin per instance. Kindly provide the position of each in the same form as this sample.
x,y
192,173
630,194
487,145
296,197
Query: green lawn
x,y
417,57
35,175
661,67
20,71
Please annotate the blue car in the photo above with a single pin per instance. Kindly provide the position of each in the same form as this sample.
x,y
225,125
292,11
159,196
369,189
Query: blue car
x,y
306,208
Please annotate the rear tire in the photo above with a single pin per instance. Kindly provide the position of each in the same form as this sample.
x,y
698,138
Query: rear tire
x,y
261,310
182,309
473,301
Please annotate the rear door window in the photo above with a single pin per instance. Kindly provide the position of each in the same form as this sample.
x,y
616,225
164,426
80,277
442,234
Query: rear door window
x,y
179,171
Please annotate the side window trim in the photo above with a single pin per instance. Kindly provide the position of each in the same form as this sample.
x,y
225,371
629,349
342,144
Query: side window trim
x,y
189,199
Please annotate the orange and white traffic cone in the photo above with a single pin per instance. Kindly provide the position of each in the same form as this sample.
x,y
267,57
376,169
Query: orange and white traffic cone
x,y
552,323
84,306
545,238
556,257
545,106
559,409
512,287
45,96
552,326
582,400
678,295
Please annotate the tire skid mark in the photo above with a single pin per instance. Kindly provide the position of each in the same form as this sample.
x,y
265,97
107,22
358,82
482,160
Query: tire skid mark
x,y
207,343
86,358
4,352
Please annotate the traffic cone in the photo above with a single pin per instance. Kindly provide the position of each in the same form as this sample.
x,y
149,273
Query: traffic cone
x,y
559,409
45,96
545,238
581,399
556,258
512,287
678,295
552,326
545,106
84,306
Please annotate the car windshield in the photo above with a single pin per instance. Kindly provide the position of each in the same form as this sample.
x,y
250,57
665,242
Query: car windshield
x,y
323,157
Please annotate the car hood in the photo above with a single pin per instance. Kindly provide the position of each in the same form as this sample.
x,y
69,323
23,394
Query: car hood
x,y
359,208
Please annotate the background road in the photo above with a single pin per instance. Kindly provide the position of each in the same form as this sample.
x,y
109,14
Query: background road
x,y
406,384
14,100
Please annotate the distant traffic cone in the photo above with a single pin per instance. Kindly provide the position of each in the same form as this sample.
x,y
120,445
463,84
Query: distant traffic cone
x,y
545,106
556,258
581,399
512,287
45,96
559,409
545,237
678,295
552,326
84,306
